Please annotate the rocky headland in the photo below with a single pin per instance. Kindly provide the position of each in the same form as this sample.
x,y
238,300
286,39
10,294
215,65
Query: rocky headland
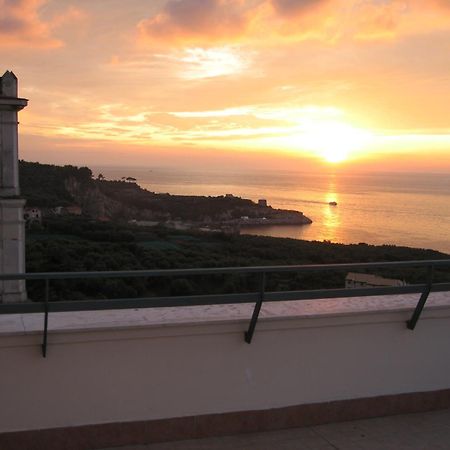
x,y
71,190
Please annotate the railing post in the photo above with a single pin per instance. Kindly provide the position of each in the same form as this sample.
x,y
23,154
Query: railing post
x,y
411,323
251,328
47,294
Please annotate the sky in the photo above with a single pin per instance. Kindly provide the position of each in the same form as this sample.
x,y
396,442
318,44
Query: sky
x,y
227,84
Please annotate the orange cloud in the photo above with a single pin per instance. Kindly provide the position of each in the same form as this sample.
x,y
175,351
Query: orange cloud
x,y
206,22
371,21
20,25
68,17
203,22
190,20
441,3
291,8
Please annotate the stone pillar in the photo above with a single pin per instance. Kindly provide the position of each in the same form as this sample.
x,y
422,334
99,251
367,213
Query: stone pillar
x,y
12,227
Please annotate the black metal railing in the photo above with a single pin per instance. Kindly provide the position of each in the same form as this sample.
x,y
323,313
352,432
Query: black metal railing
x,y
258,297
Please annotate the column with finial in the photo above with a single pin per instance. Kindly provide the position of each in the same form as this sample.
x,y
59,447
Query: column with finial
x,y
12,227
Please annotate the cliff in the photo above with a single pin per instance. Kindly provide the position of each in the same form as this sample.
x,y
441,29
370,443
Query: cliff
x,y
49,186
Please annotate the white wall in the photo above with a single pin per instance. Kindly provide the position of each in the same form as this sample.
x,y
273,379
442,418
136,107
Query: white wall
x,y
142,370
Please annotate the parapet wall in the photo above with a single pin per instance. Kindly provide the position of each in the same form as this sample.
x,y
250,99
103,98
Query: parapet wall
x,y
149,366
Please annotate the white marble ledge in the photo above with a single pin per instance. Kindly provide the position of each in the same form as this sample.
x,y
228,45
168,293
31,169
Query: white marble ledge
x,y
83,321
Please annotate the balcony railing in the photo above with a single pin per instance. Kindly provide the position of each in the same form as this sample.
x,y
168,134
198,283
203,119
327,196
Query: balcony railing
x,y
262,295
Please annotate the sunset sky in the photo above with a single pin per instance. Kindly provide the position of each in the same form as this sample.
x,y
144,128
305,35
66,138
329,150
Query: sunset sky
x,y
280,84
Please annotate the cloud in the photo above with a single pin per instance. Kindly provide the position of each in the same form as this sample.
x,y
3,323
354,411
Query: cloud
x,y
209,22
335,20
20,25
68,17
440,3
377,20
197,19
359,20
289,7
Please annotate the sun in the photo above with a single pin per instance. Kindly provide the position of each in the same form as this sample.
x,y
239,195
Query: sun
x,y
334,155
334,141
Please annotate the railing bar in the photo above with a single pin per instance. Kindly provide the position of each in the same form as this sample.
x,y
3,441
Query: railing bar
x,y
129,303
221,270
46,305
411,324
343,292
22,308
156,302
251,329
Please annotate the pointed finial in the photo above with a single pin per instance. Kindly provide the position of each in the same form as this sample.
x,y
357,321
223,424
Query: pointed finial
x,y
8,84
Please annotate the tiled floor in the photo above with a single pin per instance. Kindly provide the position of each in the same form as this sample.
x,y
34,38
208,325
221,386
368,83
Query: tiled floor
x,y
424,431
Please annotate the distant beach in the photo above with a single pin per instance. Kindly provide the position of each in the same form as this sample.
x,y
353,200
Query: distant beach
x,y
396,208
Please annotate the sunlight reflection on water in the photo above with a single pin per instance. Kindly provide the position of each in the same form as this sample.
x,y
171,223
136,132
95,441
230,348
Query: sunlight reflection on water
x,y
331,214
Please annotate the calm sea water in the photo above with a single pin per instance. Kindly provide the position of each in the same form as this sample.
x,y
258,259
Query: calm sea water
x,y
399,209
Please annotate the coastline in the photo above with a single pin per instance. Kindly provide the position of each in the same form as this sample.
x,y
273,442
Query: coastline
x,y
389,209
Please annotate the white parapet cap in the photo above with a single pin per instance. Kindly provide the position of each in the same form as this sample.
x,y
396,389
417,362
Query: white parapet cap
x,y
234,317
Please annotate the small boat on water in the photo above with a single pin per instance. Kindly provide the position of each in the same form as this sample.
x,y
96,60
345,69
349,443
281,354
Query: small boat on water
x,y
332,203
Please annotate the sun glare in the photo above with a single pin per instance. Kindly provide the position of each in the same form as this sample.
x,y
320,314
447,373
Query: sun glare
x,y
335,155
334,141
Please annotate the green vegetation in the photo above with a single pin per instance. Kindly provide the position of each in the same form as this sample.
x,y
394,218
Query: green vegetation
x,y
44,185
80,244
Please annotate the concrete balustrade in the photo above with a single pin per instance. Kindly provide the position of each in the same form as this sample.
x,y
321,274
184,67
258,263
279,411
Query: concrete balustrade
x,y
152,366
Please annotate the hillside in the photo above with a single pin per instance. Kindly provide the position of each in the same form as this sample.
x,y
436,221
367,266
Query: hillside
x,y
80,244
49,186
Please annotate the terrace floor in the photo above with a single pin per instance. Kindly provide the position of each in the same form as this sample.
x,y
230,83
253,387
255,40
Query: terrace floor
x,y
425,431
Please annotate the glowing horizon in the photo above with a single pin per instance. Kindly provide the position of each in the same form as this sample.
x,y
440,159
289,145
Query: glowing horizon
x,y
276,83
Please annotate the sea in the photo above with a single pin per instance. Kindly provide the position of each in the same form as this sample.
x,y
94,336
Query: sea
x,y
404,209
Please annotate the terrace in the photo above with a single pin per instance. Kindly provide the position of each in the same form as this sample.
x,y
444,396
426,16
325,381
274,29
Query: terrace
x,y
429,430
142,371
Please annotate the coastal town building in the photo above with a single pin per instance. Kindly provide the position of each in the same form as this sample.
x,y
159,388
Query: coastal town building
x,y
355,280
262,202
32,215
12,224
